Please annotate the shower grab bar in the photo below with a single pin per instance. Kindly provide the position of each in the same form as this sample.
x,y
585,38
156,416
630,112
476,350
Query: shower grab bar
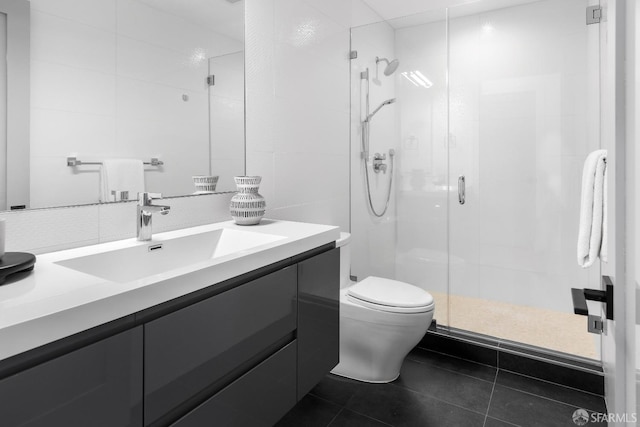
x,y
461,190
73,161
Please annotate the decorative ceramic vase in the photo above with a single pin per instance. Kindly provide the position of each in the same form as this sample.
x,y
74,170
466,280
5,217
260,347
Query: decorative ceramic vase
x,y
247,206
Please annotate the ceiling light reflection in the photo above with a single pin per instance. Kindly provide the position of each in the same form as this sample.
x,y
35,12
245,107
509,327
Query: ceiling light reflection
x,y
417,79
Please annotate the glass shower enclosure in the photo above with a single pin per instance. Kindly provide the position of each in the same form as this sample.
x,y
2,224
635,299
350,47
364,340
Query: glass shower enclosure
x,y
496,110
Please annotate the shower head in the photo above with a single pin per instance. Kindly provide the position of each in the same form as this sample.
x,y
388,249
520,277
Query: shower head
x,y
391,67
387,102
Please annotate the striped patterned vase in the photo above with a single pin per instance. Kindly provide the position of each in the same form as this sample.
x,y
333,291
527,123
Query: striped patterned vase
x,y
247,206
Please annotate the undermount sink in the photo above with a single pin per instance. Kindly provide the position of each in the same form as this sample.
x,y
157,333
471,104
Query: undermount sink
x,y
162,255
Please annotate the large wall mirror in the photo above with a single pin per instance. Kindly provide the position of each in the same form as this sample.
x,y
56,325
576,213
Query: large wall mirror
x,y
124,79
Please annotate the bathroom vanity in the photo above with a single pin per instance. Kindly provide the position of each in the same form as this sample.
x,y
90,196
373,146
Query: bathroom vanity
x,y
236,338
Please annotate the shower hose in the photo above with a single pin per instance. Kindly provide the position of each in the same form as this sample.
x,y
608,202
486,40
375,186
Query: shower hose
x,y
365,155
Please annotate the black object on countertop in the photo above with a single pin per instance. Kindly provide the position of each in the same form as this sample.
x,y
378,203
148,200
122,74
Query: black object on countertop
x,y
15,262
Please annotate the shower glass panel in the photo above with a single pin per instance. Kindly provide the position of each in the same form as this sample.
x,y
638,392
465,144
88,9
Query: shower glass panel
x,y
226,119
523,116
409,242
422,255
503,101
374,241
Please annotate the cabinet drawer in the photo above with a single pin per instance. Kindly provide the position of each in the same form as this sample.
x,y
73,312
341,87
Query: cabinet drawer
x,y
187,352
258,398
98,385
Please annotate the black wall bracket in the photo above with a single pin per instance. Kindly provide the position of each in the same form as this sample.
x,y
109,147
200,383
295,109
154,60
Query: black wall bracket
x,y
580,297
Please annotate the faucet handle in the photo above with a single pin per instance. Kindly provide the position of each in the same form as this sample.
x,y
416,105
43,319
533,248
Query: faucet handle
x,y
145,198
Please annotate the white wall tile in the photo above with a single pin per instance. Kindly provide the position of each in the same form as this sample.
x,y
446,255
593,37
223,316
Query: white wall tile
x,y
142,22
297,85
53,183
145,100
330,212
191,211
304,178
71,43
319,78
263,164
337,10
260,121
151,63
316,130
227,127
60,87
61,133
97,13
45,230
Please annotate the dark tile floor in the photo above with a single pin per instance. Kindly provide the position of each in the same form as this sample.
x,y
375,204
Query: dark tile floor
x,y
438,390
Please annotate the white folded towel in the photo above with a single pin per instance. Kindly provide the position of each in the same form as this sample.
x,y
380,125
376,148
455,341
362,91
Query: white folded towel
x,y
121,175
592,235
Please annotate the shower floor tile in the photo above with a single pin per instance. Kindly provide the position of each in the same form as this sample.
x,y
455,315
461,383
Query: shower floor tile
x,y
439,390
549,329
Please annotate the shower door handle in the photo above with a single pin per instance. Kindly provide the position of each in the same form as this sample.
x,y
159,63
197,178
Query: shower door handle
x,y
461,190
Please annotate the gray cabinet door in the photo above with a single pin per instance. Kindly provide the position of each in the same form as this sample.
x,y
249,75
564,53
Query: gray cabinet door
x,y
257,399
191,353
99,385
318,318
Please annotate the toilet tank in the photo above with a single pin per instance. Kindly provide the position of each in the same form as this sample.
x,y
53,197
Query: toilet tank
x,y
345,259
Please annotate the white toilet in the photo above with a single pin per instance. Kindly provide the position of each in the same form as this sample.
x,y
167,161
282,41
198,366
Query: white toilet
x,y
381,320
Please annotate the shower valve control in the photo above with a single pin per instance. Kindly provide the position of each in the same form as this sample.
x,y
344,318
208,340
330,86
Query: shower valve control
x,y
379,163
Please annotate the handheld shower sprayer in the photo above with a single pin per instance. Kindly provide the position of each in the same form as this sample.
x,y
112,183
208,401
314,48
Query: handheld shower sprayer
x,y
387,102
365,127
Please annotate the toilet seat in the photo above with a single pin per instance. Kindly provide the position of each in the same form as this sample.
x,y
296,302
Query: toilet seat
x,y
390,295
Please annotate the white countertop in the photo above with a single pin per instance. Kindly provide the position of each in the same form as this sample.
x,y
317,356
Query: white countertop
x,y
54,302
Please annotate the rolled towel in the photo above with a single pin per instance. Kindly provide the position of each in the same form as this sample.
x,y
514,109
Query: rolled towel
x,y
121,175
592,234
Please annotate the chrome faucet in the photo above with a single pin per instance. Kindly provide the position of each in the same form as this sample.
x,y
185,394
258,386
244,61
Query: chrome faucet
x,y
145,212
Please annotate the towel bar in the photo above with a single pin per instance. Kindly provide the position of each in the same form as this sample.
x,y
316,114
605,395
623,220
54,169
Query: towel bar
x,y
73,161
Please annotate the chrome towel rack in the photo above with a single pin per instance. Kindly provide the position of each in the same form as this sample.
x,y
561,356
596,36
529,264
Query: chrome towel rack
x,y
73,161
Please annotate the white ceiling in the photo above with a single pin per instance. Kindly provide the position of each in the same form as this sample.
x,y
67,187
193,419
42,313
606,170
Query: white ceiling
x,y
404,13
218,15
391,9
